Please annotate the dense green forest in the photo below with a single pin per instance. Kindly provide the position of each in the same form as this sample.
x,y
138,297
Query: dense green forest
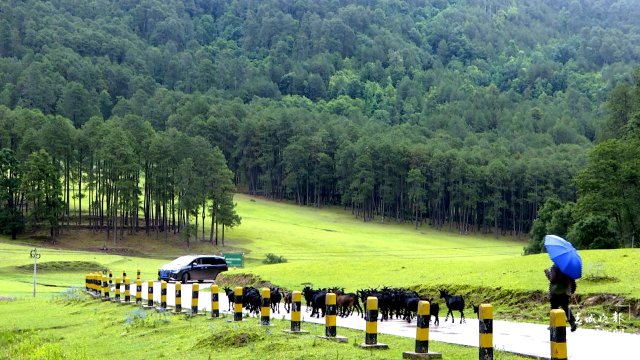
x,y
466,114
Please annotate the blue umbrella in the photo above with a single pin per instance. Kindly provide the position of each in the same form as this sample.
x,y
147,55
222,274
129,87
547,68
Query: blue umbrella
x,y
564,255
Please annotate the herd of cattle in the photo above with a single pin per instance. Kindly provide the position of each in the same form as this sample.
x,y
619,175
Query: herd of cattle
x,y
401,303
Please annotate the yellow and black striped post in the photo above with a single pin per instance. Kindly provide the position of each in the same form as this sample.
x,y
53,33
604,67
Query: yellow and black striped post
x,y
138,275
330,319
485,321
110,277
237,304
127,291
138,291
86,282
215,304
265,310
163,295
150,293
558,335
117,289
178,297
195,291
422,327
371,329
105,288
330,315
296,306
422,335
124,275
91,280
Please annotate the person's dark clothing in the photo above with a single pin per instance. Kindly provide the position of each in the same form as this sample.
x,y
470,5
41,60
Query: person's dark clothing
x,y
561,287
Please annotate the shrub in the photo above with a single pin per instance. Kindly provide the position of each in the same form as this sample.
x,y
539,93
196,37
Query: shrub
x,y
274,259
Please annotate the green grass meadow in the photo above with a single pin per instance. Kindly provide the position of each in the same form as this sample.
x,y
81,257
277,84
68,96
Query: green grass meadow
x,y
325,247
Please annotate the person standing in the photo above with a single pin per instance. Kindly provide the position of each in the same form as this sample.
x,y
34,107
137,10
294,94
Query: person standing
x,y
561,287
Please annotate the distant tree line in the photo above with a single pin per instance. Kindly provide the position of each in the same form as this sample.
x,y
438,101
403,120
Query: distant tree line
x,y
120,176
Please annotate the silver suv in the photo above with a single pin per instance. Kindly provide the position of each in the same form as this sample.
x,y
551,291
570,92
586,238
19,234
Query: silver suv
x,y
193,268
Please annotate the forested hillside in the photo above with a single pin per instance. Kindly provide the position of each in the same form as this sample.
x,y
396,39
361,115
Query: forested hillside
x,y
467,114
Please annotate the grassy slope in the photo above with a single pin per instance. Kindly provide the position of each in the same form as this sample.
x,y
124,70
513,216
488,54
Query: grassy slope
x,y
330,247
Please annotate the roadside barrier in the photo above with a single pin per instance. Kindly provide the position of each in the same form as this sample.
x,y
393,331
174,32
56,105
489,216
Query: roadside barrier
x,y
422,335
110,278
237,304
127,291
138,275
105,288
178,307
215,305
92,283
138,291
117,299
150,293
485,321
195,291
163,295
371,329
330,319
296,307
558,335
265,316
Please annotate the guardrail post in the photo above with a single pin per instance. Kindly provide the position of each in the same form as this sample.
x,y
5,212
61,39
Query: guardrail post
x,y
330,319
371,330
127,291
296,307
163,295
117,299
195,291
215,304
485,321
110,278
422,335
237,304
138,291
138,275
149,294
178,297
91,283
265,310
105,288
558,335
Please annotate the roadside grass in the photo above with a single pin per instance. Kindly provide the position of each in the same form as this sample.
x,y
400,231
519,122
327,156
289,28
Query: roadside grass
x,y
73,326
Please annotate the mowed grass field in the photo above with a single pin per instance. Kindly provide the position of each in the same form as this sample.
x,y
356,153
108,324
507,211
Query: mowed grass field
x,y
325,247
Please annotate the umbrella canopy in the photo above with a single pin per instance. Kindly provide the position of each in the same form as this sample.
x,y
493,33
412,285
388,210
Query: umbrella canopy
x,y
564,255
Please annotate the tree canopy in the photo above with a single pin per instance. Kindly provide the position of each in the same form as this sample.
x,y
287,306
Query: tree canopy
x,y
466,115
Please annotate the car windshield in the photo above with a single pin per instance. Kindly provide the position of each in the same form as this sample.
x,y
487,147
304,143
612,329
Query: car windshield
x,y
182,260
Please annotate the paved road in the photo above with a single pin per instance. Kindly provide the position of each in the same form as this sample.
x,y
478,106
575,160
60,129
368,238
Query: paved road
x,y
520,338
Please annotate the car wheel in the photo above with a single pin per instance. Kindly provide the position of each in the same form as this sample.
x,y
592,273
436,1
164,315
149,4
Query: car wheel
x,y
185,278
